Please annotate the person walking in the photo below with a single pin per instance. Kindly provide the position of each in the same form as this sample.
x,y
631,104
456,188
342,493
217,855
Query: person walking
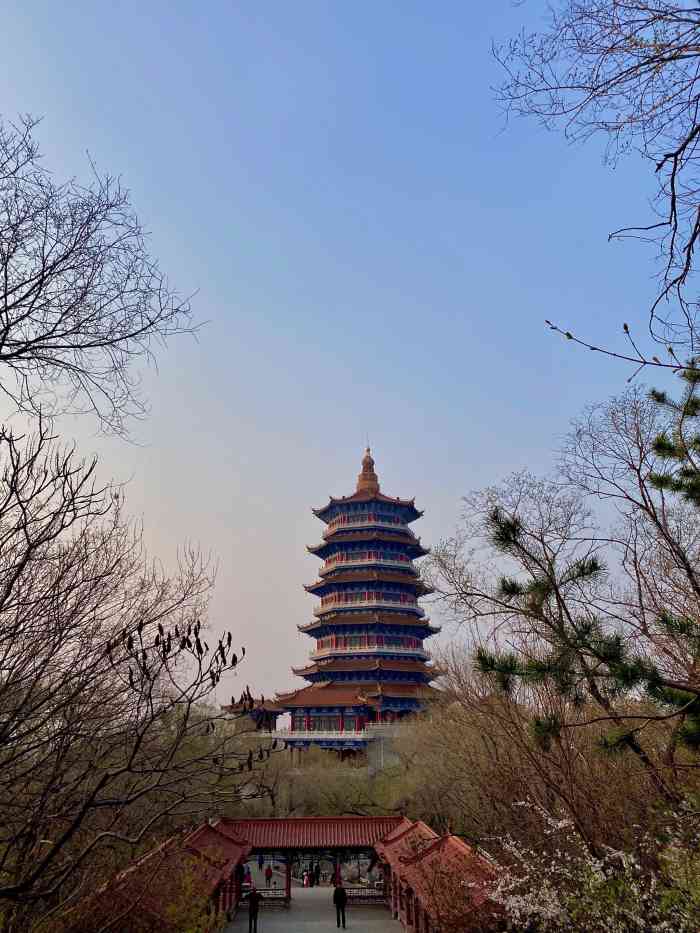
x,y
340,899
253,908
261,861
268,875
317,873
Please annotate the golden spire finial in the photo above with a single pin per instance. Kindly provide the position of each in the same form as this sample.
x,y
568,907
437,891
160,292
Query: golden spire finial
x,y
367,481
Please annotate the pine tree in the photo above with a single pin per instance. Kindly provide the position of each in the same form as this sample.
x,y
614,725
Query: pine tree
x,y
681,446
584,661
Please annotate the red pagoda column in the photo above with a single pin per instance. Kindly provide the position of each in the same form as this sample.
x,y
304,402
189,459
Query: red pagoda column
x,y
288,879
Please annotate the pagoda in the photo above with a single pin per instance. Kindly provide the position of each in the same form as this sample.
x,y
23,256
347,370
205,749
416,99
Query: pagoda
x,y
368,667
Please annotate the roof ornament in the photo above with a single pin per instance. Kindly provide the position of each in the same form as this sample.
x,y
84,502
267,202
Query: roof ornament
x,y
367,481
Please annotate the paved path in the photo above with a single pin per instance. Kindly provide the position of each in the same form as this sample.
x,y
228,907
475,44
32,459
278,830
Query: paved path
x,y
312,910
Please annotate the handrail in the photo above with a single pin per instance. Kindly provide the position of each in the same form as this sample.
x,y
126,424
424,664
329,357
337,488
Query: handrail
x,y
360,603
383,649
334,564
354,734
374,523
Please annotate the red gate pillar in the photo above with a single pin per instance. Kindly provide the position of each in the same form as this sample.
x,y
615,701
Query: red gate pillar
x,y
288,879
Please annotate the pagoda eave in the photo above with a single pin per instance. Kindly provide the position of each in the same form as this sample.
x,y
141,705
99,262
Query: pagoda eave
x,y
364,496
347,608
358,618
370,576
402,692
343,536
322,696
366,664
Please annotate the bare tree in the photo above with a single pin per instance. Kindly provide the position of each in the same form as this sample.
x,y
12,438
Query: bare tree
x,y
629,70
82,301
106,667
601,614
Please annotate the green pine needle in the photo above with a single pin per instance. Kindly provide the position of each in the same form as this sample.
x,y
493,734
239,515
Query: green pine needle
x,y
505,530
544,730
509,587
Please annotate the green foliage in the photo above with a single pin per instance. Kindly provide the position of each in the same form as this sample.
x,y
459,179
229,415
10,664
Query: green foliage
x,y
544,730
609,648
586,568
681,626
616,740
680,447
538,670
503,667
508,588
505,530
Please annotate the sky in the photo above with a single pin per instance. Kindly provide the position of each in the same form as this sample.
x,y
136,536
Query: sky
x,y
372,250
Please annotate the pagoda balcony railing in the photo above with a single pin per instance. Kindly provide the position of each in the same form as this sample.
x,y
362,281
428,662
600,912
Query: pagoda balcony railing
x,y
331,604
372,730
367,521
383,650
334,563
357,735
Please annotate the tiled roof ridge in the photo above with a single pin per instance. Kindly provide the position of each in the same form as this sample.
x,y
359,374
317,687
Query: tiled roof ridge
x,y
389,841
202,853
258,820
238,840
367,664
362,496
418,856
163,847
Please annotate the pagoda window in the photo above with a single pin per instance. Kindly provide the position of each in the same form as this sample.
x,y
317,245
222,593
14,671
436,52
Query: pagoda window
x,y
350,723
328,723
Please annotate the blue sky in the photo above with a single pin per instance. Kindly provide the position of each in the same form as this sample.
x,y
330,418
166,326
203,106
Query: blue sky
x,y
373,249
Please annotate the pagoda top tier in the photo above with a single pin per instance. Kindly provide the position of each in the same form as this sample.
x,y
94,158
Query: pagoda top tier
x,y
367,490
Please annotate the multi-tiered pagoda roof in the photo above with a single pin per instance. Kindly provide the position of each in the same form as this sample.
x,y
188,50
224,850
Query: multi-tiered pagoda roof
x,y
369,664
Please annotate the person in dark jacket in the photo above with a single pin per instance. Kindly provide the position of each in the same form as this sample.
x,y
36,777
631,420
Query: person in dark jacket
x,y
340,899
317,874
253,908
